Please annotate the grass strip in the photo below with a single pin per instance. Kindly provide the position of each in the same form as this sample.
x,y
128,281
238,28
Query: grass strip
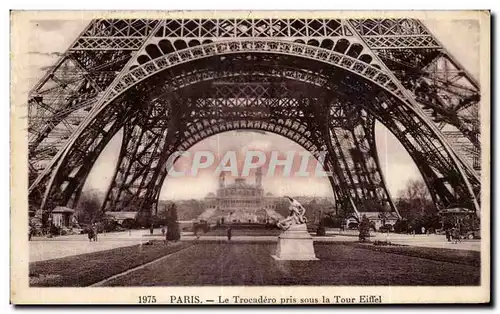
x,y
86,269
463,257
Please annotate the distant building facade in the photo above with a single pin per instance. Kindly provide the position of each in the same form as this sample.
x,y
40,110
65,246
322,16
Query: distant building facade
x,y
240,202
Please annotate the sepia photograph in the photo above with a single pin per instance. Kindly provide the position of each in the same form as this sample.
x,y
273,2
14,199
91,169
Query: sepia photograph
x,y
341,155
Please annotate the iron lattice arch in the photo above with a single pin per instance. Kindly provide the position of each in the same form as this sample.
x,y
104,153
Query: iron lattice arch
x,y
321,83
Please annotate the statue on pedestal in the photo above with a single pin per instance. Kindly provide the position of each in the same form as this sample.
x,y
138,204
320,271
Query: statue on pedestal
x,y
295,217
295,242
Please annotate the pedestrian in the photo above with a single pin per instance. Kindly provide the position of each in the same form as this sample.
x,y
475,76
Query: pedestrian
x,y
448,234
151,229
90,233
456,235
229,231
452,235
423,230
95,231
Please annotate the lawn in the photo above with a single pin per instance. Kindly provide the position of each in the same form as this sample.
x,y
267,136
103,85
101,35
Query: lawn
x,y
471,258
86,269
339,264
250,263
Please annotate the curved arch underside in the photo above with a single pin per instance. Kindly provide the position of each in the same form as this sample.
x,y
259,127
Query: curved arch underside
x,y
321,107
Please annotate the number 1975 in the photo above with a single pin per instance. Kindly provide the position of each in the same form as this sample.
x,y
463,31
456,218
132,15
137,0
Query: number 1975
x,y
145,299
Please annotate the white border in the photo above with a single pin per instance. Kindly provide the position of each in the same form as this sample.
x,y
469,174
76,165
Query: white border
x,y
198,5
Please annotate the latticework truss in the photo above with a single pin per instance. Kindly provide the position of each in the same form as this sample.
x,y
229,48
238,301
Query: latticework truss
x,y
320,82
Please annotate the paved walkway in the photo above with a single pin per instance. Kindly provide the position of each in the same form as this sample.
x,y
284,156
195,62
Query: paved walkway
x,y
62,246
49,248
432,240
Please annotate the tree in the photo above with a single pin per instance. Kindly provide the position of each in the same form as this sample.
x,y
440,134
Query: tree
x,y
331,220
342,209
143,218
321,231
186,209
282,207
364,229
315,210
401,226
416,206
163,214
191,209
89,208
417,192
173,232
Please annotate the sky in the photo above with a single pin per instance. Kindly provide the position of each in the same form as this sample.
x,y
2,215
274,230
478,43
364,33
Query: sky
x,y
48,39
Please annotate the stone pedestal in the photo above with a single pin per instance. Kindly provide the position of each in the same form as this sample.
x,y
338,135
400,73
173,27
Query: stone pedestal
x,y
295,244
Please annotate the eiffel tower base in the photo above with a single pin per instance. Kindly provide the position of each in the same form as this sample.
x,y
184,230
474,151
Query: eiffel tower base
x,y
295,244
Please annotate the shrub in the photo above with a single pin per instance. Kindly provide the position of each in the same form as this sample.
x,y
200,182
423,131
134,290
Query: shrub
x,y
401,226
364,229
129,224
54,230
321,230
173,232
382,243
